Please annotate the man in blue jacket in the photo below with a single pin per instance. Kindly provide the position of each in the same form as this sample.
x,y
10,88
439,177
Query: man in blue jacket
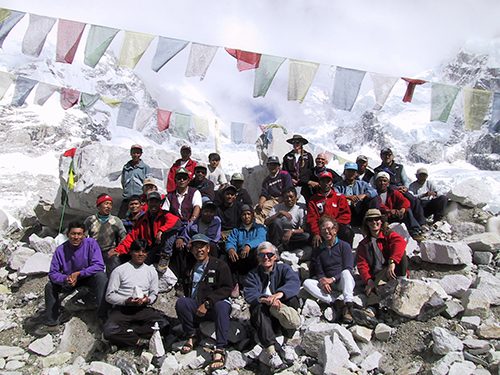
x,y
271,290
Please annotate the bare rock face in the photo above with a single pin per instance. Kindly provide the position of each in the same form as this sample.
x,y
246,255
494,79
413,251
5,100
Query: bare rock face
x,y
442,252
487,241
333,355
471,192
455,285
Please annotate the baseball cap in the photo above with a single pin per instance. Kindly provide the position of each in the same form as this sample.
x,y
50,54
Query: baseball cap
x,y
327,175
422,171
350,166
200,238
386,150
237,177
273,160
382,174
154,195
362,158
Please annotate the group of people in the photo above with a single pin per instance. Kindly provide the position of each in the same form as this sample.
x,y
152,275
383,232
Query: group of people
x,y
209,233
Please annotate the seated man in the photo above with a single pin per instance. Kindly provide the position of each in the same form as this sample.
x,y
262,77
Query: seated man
x,y
206,293
149,186
319,168
272,190
184,162
328,202
359,193
432,203
242,195
286,223
229,211
132,289
184,201
241,245
215,172
202,183
77,262
395,206
331,268
134,212
271,290
364,173
106,229
158,227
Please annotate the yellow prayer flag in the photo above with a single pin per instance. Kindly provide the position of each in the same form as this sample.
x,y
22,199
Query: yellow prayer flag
x,y
4,14
112,102
134,46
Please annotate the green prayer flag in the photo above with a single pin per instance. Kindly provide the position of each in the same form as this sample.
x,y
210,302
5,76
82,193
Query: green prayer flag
x,y
442,99
265,74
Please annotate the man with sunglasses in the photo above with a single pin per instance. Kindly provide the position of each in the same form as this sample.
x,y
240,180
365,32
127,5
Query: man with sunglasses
x,y
271,290
184,201
202,183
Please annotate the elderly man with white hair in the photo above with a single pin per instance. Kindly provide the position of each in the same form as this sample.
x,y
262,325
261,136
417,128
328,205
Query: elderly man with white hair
x,y
271,290
320,167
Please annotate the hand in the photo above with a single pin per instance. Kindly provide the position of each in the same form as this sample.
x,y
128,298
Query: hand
x,y
274,300
201,310
316,241
244,252
390,271
326,283
432,194
112,253
313,184
71,279
393,213
400,213
370,287
353,198
134,301
286,236
295,182
158,236
233,255
285,214
179,243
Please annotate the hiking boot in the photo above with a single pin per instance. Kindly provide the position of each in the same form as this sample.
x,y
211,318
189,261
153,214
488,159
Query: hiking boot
x,y
346,314
275,362
417,236
43,330
364,317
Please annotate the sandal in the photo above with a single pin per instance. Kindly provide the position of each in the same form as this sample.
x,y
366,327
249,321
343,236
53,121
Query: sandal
x,y
218,360
189,345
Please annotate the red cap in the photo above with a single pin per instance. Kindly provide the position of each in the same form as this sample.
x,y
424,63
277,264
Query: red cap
x,y
326,175
102,199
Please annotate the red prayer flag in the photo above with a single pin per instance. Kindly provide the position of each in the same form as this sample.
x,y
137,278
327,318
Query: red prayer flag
x,y
69,97
70,153
69,34
411,88
163,119
246,60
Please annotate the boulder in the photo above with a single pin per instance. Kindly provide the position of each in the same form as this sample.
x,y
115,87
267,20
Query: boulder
x,y
383,332
313,335
36,264
486,241
333,355
43,346
493,225
442,252
347,339
371,362
19,257
455,285
462,368
470,322
289,258
361,334
76,339
482,257
235,360
56,359
445,342
475,346
490,285
471,192
412,247
442,366
46,245
14,365
103,368
311,309
169,365
476,302
490,330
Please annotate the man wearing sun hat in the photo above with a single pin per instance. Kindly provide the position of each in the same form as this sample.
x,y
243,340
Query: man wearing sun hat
x,y
298,162
426,192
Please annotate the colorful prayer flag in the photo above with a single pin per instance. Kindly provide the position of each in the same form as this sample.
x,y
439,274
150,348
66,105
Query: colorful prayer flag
x,y
134,46
476,103
88,100
167,48
410,88
69,34
495,112
201,126
245,60
7,23
112,102
265,74
69,97
442,99
36,34
126,114
163,119
6,80
200,58
43,92
346,87
181,126
98,41
22,90
237,129
382,87
143,117
301,76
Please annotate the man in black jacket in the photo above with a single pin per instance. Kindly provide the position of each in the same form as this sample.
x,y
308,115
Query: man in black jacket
x,y
209,284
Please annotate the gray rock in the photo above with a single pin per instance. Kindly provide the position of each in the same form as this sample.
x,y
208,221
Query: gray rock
x,y
235,360
383,332
445,342
43,346
328,314
475,359
9,351
476,302
314,335
455,285
361,334
452,309
311,309
471,192
333,355
470,322
462,368
442,366
412,246
103,368
490,285
169,365
289,258
371,362
486,241
489,331
347,339
76,339
493,225
14,365
36,264
19,257
46,245
482,258
442,252
56,359
476,346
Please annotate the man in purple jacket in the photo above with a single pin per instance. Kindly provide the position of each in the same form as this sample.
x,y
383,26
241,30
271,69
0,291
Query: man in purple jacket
x,y
77,262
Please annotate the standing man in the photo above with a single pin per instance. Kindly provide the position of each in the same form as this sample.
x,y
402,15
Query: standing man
x,y
132,289
106,229
184,162
423,189
206,293
298,162
133,175
77,262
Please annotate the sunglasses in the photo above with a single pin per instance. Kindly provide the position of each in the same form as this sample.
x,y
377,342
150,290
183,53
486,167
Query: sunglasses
x,y
182,178
266,255
373,219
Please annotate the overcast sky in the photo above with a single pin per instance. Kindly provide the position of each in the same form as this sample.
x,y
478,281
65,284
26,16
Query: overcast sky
x,y
398,38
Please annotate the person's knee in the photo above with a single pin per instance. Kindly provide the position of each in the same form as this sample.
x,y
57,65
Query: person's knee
x,y
222,307
110,329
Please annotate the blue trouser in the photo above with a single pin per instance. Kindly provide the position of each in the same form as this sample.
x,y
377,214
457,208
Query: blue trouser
x,y
186,312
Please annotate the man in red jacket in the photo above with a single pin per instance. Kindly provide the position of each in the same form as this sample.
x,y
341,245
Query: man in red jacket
x,y
158,227
184,162
328,202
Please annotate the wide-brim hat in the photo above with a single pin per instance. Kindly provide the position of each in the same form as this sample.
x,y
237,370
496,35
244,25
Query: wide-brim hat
x,y
298,137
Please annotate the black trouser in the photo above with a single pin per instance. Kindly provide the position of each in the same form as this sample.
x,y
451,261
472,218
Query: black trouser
x,y
242,266
127,324
345,233
358,210
435,207
276,229
122,212
268,326
416,208
97,284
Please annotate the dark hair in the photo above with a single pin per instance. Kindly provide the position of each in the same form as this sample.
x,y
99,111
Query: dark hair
x,y
134,198
76,224
291,189
327,218
213,156
138,245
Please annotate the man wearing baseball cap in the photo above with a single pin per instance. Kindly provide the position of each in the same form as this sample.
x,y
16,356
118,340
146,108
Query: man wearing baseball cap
x,y
242,195
359,193
202,183
423,189
313,183
364,173
184,162
133,175
106,229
